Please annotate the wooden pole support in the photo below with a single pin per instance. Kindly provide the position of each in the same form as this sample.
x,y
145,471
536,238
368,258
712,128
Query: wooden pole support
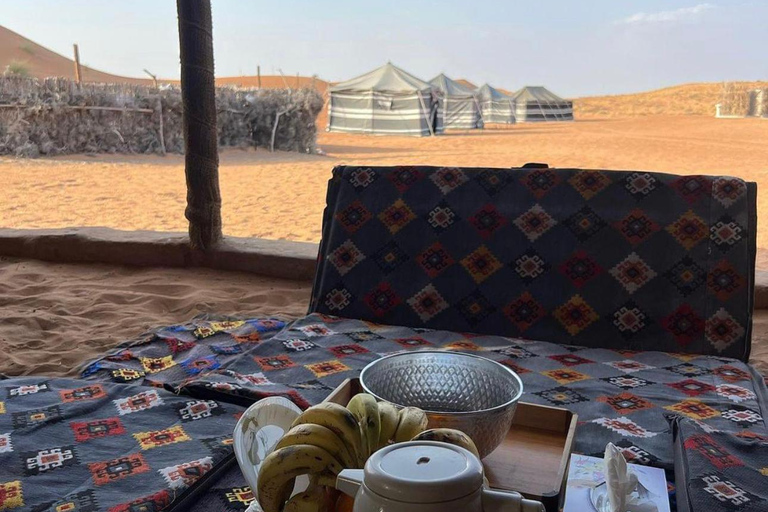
x,y
78,71
198,94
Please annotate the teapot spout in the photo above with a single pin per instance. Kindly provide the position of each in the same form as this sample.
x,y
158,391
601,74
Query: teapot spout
x,y
508,501
349,481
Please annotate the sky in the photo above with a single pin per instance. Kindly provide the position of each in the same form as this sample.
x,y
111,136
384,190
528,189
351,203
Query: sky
x,y
574,48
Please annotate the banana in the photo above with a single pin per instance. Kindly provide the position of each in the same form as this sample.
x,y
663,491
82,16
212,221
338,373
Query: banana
x,y
366,410
413,421
341,422
311,500
321,436
450,436
285,464
389,420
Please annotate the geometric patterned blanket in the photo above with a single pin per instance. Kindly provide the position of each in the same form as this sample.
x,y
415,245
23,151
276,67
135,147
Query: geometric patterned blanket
x,y
610,259
79,446
719,471
621,396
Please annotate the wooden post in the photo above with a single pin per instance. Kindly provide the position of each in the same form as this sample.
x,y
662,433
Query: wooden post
x,y
258,74
78,71
160,127
198,94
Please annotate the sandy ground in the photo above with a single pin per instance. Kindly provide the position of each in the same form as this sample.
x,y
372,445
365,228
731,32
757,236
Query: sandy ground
x,y
282,195
54,317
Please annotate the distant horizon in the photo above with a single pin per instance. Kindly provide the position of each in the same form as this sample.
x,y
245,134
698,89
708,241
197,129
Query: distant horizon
x,y
602,49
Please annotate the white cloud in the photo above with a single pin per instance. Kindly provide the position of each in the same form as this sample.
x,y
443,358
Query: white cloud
x,y
682,14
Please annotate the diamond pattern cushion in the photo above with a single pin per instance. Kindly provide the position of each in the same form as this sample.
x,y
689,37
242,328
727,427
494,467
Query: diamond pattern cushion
x,y
617,259
621,396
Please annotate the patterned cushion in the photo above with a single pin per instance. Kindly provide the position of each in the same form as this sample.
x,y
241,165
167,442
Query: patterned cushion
x,y
75,445
718,471
177,353
620,395
230,493
617,259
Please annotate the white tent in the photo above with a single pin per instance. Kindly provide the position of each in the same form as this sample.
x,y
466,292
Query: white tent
x,y
534,104
458,107
385,101
495,106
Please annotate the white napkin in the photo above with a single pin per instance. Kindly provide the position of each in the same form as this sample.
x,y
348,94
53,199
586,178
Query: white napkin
x,y
622,485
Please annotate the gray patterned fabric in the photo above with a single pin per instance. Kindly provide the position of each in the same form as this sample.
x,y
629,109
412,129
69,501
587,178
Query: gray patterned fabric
x,y
615,259
80,446
719,471
620,395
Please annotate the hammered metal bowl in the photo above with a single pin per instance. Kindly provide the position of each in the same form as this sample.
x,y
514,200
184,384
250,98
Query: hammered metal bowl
x,y
462,391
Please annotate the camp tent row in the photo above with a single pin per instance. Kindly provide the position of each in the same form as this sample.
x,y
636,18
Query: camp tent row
x,y
391,101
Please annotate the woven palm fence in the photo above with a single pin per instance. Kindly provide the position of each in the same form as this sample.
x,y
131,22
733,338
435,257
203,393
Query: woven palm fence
x,y
740,100
57,116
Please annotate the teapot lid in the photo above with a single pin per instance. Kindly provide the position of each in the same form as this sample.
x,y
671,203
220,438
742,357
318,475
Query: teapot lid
x,y
423,472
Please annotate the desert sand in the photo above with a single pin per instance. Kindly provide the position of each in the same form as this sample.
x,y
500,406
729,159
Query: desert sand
x,y
54,317
282,195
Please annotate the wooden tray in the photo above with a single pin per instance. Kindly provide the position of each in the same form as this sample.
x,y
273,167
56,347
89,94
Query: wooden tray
x,y
532,460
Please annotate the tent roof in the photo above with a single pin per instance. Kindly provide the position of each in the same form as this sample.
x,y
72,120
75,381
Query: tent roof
x,y
451,87
466,83
537,93
486,92
387,78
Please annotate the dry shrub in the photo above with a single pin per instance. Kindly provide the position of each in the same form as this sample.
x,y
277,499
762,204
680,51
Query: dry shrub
x,y
42,120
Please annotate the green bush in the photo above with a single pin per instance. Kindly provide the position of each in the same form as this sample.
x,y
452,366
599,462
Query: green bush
x,y
17,68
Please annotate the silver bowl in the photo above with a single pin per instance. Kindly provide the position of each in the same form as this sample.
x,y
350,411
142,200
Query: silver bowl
x,y
461,391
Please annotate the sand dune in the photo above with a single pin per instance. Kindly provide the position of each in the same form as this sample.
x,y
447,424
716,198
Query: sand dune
x,y
275,82
687,99
42,62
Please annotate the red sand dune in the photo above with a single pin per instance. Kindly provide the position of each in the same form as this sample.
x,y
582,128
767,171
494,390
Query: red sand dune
x,y
40,62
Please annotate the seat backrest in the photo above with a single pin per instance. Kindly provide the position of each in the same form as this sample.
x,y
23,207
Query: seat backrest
x,y
617,259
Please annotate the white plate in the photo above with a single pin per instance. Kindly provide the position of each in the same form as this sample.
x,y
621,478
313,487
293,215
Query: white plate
x,y
257,432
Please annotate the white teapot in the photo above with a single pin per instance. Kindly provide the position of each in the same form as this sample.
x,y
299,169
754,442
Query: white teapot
x,y
426,476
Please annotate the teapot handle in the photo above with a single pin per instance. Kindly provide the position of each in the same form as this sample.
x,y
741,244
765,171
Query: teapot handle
x,y
349,481
509,501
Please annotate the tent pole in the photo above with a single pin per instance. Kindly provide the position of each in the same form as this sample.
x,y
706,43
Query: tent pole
x,y
543,114
479,111
424,108
198,94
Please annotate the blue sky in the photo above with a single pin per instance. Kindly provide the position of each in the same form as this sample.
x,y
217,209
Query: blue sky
x,y
575,48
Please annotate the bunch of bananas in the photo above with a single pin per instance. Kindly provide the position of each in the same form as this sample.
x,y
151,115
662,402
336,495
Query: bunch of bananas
x,y
327,438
